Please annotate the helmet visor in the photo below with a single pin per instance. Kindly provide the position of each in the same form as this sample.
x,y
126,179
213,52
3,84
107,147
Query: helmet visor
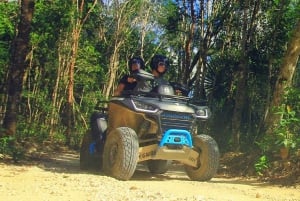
x,y
161,63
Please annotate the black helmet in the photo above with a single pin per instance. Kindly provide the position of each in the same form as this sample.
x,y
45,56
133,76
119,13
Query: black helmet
x,y
136,60
156,59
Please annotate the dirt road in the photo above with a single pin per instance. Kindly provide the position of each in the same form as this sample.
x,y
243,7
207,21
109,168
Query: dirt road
x,y
59,178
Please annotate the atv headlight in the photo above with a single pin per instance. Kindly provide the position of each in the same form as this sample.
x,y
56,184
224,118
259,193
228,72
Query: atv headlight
x,y
202,113
143,107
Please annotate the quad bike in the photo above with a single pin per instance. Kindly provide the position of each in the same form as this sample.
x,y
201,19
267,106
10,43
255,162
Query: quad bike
x,y
153,128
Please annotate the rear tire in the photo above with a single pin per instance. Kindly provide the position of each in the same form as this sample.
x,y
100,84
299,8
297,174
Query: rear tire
x,y
89,160
121,152
208,160
158,166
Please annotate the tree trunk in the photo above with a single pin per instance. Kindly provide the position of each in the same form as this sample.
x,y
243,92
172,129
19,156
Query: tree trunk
x,y
240,93
284,79
188,45
113,67
18,65
144,28
240,98
70,95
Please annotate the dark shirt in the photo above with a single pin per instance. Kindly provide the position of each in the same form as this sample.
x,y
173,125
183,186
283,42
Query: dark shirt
x,y
128,85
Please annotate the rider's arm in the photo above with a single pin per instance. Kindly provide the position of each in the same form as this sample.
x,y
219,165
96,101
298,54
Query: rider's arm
x,y
119,89
125,83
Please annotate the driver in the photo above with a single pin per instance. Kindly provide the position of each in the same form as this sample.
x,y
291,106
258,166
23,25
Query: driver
x,y
127,82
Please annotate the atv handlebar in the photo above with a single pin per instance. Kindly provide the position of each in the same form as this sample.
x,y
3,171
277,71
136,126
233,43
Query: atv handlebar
x,y
142,75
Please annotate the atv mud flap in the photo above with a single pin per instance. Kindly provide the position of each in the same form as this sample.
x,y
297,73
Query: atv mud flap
x,y
175,145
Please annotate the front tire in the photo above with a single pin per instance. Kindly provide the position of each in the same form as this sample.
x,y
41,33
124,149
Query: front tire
x,y
208,160
121,152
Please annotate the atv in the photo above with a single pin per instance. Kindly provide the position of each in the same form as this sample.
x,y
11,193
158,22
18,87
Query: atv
x,y
152,127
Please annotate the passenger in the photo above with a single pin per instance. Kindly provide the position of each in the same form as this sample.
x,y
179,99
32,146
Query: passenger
x,y
159,65
127,82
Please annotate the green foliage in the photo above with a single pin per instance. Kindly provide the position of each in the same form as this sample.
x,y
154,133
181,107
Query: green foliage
x,y
89,73
5,145
219,88
36,131
8,147
167,26
287,131
171,18
261,165
219,76
50,21
8,13
264,56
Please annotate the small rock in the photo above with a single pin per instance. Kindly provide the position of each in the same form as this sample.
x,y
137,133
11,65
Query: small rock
x,y
133,188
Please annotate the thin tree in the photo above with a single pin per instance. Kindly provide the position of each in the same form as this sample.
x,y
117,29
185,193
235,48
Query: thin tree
x,y
76,31
18,64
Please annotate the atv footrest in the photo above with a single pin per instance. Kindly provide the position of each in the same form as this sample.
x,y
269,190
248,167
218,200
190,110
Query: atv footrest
x,y
176,137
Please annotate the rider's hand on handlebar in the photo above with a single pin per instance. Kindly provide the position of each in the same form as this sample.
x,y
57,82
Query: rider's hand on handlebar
x,y
131,79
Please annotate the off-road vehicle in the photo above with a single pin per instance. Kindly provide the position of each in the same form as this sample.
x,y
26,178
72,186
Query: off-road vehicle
x,y
153,128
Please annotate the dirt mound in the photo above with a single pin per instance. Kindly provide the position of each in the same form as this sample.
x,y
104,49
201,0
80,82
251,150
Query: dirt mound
x,y
284,172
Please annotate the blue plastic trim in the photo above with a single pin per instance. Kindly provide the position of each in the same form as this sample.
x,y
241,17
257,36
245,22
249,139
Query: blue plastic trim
x,y
92,147
183,137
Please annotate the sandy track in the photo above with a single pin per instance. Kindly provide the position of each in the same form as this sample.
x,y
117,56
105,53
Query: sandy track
x,y
59,178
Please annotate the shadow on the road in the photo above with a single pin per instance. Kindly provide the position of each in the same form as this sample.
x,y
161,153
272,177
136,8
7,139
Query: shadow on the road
x,y
175,172
68,163
238,180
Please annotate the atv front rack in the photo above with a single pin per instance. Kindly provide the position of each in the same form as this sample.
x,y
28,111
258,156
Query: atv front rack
x,y
176,137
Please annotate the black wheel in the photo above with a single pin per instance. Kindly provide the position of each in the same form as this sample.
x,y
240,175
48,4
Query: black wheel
x,y
208,160
121,152
89,160
158,166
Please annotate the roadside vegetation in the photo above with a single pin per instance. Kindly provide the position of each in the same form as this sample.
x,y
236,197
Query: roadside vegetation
x,y
59,58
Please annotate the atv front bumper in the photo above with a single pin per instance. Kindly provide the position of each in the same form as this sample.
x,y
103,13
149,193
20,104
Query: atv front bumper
x,y
175,145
